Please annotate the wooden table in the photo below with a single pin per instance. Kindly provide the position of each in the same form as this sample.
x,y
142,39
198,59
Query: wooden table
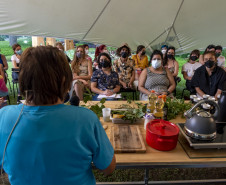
x,y
176,158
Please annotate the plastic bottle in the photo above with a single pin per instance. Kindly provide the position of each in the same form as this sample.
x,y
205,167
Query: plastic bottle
x,y
159,104
152,98
165,108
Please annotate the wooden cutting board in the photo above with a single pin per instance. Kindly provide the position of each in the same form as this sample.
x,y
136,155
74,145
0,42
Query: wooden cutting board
x,y
127,138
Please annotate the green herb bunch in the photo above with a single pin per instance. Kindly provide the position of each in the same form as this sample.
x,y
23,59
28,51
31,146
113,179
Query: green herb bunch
x,y
176,107
131,113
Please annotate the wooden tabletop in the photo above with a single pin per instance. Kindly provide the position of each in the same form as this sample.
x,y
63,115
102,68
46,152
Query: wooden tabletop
x,y
152,157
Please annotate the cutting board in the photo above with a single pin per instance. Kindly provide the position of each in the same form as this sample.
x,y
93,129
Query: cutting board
x,y
127,138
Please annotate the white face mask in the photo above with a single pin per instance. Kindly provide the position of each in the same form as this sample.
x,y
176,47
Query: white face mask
x,y
163,51
87,51
156,63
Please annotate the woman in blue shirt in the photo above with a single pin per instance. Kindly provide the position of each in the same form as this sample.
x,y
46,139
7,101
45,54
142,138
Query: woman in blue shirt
x,y
49,137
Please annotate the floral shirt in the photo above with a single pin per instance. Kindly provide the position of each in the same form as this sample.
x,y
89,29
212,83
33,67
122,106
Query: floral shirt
x,y
124,70
105,81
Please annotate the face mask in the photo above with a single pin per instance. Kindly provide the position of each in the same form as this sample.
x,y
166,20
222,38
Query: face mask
x,y
163,51
156,63
170,56
124,54
193,58
105,64
218,54
19,52
143,53
79,55
87,51
209,63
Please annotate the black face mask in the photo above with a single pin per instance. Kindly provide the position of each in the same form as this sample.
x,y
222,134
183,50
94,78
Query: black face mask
x,y
124,54
218,54
209,63
105,64
170,56
143,53
193,58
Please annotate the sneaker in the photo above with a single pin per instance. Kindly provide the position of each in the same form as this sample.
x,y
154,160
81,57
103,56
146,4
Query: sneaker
x,y
18,99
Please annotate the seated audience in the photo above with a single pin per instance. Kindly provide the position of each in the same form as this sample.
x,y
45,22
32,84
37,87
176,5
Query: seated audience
x,y
209,78
53,143
125,67
16,61
104,80
141,60
171,63
189,68
60,46
156,77
211,47
86,46
220,58
82,72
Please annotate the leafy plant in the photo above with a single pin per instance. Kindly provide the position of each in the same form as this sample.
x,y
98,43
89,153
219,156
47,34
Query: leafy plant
x,y
131,113
176,107
97,108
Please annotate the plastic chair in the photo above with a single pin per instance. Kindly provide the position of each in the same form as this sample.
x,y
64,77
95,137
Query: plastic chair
x,y
15,81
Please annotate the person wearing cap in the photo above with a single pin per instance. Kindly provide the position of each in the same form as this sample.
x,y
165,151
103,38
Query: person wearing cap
x,y
211,47
220,58
209,78
164,49
141,60
125,67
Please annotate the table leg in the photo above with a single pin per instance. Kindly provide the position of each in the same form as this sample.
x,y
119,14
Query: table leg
x,y
146,176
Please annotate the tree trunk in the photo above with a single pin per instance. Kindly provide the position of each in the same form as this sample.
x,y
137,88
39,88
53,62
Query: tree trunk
x,y
12,40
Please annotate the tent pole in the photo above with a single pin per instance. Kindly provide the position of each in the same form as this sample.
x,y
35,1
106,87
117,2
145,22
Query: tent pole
x,y
96,19
174,19
177,37
157,38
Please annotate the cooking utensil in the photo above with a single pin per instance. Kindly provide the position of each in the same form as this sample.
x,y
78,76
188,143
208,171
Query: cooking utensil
x,y
201,124
162,135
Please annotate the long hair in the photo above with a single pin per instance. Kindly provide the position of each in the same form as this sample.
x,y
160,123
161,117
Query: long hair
x,y
74,63
165,60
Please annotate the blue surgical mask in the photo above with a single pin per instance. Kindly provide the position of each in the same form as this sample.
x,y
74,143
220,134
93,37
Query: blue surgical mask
x,y
156,63
19,52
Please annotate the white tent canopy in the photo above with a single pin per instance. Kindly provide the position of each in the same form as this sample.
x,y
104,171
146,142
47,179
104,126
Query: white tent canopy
x,y
185,24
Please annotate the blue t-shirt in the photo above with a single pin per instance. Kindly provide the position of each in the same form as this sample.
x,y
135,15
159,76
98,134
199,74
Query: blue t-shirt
x,y
53,145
